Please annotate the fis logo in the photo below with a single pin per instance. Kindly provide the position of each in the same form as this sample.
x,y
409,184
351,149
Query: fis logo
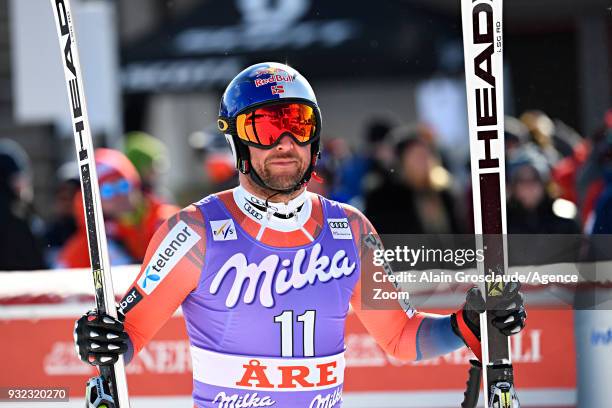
x,y
223,230
340,228
175,245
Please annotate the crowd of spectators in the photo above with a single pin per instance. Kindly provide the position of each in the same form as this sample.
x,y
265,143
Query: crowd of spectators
x,y
558,182
132,211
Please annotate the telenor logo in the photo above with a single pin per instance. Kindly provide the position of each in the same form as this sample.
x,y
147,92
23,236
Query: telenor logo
x,y
150,276
177,243
223,230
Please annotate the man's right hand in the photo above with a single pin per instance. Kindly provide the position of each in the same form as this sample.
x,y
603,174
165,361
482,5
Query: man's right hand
x,y
100,339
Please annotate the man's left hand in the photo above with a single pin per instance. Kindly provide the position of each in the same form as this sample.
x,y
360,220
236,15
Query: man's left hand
x,y
508,312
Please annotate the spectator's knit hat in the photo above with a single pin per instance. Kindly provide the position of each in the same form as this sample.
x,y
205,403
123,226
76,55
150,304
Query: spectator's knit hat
x,y
515,130
112,164
528,155
145,152
13,161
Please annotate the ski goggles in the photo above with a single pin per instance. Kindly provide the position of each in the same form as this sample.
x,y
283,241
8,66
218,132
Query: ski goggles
x,y
265,126
110,190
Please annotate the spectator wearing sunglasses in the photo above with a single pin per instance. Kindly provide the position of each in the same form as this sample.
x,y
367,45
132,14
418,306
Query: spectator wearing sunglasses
x,y
131,216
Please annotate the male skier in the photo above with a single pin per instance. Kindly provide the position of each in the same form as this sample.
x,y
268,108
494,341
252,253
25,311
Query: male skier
x,y
265,272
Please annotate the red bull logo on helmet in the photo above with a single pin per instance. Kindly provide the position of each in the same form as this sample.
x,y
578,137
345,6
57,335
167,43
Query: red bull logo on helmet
x,y
275,75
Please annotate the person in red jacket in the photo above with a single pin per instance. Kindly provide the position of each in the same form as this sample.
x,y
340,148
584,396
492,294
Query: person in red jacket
x,y
131,216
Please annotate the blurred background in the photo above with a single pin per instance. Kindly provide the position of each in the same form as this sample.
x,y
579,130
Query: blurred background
x,y
382,75
389,80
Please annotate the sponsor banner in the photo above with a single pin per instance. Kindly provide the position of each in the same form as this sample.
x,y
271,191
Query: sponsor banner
x,y
543,356
593,330
42,353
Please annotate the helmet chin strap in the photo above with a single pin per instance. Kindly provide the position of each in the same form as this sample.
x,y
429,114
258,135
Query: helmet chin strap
x,y
259,181
250,170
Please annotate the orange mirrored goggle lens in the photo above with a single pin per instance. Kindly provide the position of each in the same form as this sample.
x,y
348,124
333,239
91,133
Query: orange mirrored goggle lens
x,y
266,125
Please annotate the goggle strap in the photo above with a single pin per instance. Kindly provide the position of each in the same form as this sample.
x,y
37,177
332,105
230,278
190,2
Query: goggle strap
x,y
226,125
230,128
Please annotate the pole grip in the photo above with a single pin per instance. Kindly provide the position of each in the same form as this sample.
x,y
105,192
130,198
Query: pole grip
x,y
472,391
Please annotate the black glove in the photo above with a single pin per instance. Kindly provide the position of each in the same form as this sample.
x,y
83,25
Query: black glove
x,y
99,339
508,312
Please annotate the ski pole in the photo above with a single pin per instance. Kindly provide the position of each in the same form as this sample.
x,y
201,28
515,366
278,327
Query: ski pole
x,y
472,391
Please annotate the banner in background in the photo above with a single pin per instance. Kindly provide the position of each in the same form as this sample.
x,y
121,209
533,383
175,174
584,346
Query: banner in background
x,y
42,354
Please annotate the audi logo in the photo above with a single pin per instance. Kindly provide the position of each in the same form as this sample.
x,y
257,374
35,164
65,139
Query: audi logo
x,y
252,211
262,203
338,224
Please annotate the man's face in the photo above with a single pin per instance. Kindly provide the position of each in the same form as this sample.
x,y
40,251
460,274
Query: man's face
x,y
284,165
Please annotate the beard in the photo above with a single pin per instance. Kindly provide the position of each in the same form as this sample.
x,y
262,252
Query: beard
x,y
285,178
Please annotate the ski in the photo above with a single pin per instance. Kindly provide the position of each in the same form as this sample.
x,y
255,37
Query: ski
x,y
98,251
483,56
